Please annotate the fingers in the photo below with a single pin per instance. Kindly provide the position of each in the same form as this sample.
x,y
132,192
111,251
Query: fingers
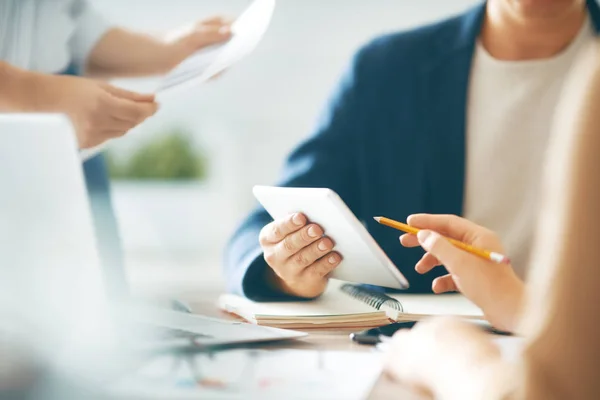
x,y
297,241
322,268
444,284
277,230
308,255
408,240
448,225
128,95
131,111
208,34
427,263
299,255
116,127
453,258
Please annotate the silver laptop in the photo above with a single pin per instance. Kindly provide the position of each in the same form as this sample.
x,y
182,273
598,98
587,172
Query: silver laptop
x,y
48,249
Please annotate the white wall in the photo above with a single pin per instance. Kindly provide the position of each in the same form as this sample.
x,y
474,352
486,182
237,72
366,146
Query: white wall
x,y
251,117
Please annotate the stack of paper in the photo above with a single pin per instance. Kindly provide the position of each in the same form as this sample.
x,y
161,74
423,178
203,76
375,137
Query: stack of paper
x,y
337,308
332,310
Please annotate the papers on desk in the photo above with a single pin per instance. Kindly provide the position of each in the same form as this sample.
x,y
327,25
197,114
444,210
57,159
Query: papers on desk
x,y
257,374
511,347
248,30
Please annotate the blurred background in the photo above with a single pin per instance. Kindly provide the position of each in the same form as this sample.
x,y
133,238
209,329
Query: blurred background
x,y
182,180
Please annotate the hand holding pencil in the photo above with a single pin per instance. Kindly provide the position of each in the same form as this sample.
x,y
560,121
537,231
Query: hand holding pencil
x,y
491,285
486,254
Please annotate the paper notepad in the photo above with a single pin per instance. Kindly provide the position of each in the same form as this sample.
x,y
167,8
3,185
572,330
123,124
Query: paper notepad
x,y
349,306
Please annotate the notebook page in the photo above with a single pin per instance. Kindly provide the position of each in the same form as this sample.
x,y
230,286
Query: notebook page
x,y
431,304
330,304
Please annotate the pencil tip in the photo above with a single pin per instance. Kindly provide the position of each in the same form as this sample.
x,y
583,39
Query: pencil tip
x,y
377,219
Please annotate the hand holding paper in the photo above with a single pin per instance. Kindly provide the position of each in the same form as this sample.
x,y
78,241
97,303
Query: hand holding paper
x,y
202,65
247,32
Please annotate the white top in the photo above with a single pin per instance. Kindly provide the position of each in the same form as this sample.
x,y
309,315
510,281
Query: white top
x,y
48,35
510,110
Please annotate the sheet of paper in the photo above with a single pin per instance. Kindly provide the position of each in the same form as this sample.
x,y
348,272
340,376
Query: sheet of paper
x,y
511,347
430,304
257,374
332,302
248,30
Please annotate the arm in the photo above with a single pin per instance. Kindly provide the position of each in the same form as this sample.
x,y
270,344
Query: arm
x,y
327,159
560,319
101,50
452,359
97,110
14,82
125,53
562,359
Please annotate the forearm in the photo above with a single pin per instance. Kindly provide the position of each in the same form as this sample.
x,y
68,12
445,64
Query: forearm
x,y
17,89
122,53
504,310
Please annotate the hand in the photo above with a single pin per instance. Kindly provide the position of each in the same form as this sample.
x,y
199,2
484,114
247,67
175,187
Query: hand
x,y
495,288
300,257
97,110
190,39
438,354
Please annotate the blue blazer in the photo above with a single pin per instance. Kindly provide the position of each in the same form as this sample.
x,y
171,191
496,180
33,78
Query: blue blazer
x,y
392,142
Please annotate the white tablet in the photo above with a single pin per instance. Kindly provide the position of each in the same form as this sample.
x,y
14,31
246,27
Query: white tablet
x,y
363,260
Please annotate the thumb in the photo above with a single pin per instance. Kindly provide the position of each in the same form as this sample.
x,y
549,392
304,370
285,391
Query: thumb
x,y
453,258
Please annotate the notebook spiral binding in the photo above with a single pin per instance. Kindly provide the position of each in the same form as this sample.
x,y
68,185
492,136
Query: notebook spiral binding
x,y
371,297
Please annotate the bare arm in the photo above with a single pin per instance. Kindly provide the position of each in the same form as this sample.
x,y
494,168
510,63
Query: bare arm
x,y
560,320
562,323
97,110
123,53
14,83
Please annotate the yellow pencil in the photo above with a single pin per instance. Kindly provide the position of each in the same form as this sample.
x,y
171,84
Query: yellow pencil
x,y
488,255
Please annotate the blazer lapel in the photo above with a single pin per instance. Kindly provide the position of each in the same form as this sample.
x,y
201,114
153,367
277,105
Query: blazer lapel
x,y
594,11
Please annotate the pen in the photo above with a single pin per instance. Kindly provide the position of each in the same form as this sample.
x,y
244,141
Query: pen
x,y
488,255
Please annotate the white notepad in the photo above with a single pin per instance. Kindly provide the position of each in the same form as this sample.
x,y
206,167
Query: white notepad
x,y
347,306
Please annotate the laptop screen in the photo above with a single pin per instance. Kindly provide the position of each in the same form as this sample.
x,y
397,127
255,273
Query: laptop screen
x,y
53,296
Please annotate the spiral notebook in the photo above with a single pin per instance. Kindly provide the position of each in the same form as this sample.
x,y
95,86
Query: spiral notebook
x,y
344,305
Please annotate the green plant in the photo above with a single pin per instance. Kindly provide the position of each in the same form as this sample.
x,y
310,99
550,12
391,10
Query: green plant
x,y
167,157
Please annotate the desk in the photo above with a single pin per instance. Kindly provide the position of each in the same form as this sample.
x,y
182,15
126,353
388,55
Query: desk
x,y
204,303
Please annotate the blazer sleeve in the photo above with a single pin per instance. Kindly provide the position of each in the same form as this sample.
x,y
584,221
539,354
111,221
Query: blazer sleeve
x,y
328,158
